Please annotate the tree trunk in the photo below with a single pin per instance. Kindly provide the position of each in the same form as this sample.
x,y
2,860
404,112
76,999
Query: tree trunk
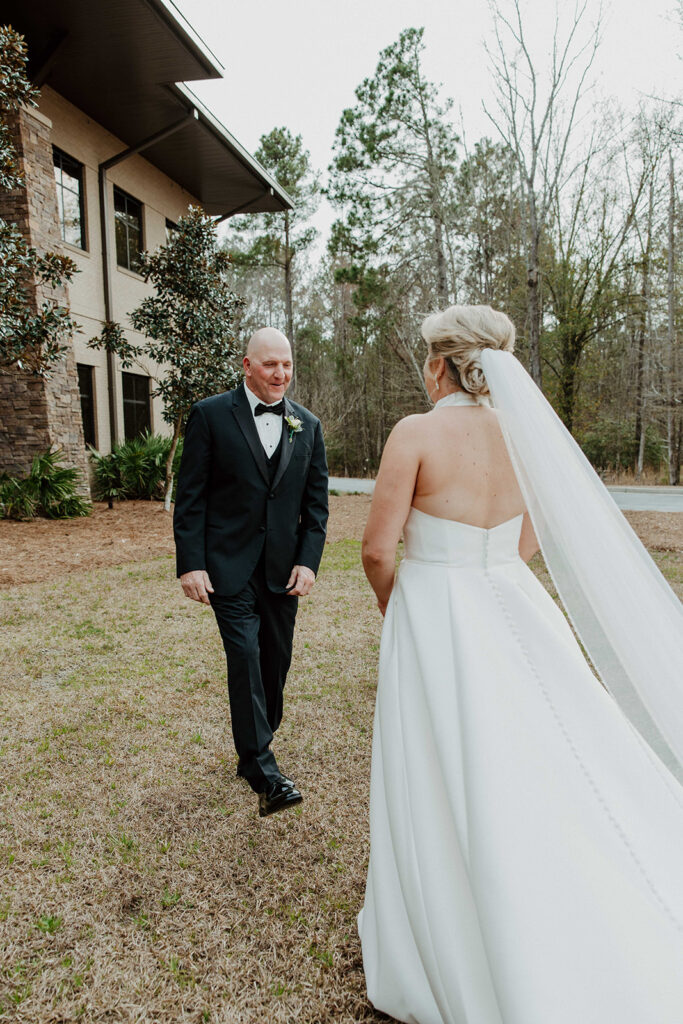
x,y
289,315
671,418
571,354
675,477
441,265
573,340
643,320
169,464
533,275
640,368
641,448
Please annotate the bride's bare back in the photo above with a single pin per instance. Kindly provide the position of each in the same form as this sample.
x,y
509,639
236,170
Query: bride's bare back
x,y
464,471
451,462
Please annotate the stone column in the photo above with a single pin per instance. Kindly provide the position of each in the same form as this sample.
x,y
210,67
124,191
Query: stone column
x,y
39,413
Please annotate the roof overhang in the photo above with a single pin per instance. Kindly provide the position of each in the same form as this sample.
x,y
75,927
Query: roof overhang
x,y
124,63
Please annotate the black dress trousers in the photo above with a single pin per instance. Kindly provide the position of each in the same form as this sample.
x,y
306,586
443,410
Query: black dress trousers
x,y
257,629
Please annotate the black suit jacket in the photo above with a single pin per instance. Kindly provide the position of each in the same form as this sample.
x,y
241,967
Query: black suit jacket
x,y
226,510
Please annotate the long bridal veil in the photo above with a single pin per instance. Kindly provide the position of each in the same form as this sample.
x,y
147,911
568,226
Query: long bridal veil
x,y
627,617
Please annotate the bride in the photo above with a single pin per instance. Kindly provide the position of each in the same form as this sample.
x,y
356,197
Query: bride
x,y
526,813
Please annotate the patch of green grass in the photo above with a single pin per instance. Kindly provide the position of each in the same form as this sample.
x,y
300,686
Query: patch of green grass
x,y
323,956
181,975
49,923
169,899
670,564
341,556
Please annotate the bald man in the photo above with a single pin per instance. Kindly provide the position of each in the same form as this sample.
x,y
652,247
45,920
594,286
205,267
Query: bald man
x,y
249,523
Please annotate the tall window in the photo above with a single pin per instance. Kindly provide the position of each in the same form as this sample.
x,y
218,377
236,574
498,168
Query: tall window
x,y
69,182
171,230
136,404
86,386
128,221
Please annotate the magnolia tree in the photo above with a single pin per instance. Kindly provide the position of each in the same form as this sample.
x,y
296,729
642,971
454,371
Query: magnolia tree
x,y
33,333
188,324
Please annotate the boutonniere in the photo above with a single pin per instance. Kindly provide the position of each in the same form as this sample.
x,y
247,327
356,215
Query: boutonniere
x,y
293,426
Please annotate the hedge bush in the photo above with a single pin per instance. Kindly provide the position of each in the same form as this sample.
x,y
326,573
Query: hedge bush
x,y
611,444
49,490
134,469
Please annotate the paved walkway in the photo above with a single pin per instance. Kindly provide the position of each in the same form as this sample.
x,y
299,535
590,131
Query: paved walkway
x,y
630,499
648,499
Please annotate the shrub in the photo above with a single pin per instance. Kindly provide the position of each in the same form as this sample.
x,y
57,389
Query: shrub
x,y
17,499
611,444
107,484
134,469
49,490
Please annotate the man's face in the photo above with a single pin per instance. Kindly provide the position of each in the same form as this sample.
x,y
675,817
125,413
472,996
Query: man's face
x,y
268,370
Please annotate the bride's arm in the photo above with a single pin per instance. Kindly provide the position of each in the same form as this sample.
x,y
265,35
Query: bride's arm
x,y
391,501
528,542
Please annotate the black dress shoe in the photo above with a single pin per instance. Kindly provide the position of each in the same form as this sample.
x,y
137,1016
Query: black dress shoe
x,y
278,796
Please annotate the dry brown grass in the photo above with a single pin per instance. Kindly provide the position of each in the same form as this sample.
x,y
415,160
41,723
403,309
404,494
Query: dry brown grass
x,y
137,883
136,531
133,531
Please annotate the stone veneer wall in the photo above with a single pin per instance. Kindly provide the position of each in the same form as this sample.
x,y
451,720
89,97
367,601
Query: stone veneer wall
x,y
37,413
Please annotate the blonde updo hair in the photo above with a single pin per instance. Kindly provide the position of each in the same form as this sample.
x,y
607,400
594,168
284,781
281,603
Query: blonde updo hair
x,y
459,334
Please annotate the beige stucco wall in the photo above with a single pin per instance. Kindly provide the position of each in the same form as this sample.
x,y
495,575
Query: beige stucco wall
x,y
90,144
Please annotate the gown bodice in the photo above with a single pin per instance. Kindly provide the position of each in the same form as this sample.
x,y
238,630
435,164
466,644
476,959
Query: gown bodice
x,y
449,542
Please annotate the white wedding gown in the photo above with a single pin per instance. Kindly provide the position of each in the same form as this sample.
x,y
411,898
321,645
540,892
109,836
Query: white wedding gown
x,y
526,861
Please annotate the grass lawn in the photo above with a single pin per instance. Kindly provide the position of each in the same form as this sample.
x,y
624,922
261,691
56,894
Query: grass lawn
x,y
137,882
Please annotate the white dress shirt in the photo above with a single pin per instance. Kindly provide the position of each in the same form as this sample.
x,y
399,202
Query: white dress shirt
x,y
268,424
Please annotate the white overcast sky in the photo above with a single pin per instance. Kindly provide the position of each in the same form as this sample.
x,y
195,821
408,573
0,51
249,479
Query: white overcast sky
x,y
298,63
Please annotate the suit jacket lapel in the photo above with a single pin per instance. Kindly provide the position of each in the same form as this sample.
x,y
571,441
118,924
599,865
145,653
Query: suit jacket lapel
x,y
245,418
287,448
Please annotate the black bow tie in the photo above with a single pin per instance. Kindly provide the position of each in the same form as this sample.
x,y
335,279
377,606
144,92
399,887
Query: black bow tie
x,y
278,409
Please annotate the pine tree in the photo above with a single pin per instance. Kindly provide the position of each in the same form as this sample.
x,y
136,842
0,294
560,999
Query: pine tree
x,y
279,240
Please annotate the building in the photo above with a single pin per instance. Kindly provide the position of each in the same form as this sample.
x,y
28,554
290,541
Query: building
x,y
116,151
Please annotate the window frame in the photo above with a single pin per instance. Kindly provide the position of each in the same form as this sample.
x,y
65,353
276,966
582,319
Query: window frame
x,y
171,229
135,402
75,169
128,200
89,427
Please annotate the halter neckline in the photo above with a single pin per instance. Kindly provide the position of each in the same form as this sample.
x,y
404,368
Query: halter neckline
x,y
460,398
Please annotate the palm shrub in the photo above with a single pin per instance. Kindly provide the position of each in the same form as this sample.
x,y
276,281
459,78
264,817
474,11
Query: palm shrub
x,y
56,487
107,485
17,498
134,469
49,490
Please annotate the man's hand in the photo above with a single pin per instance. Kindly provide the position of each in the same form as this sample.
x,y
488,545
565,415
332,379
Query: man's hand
x,y
301,580
197,585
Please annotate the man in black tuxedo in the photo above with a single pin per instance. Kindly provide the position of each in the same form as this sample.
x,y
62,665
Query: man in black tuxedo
x,y
249,523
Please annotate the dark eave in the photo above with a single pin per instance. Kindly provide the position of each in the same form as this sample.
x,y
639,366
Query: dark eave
x,y
123,63
215,164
